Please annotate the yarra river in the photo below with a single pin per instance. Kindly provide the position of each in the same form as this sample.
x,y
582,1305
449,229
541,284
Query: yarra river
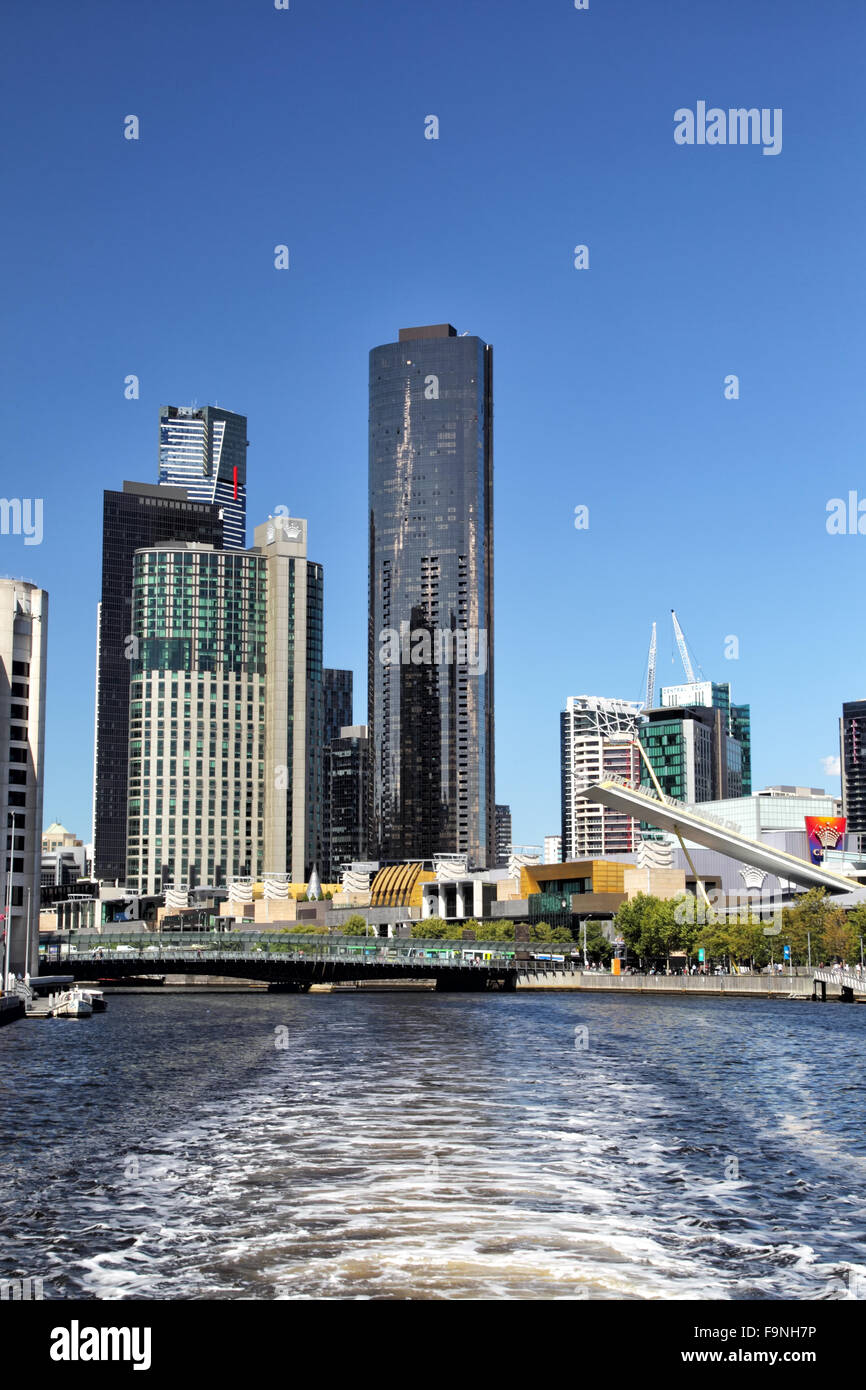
x,y
436,1146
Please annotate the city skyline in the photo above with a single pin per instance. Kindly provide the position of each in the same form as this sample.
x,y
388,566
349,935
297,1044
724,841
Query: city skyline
x,y
702,263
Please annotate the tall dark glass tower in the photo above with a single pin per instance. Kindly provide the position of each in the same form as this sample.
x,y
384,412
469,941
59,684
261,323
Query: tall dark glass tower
x,y
140,515
852,735
430,662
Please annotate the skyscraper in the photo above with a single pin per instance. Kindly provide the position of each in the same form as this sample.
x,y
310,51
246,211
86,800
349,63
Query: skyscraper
x,y
346,800
692,754
736,719
503,836
337,692
141,515
23,653
852,738
430,656
597,739
226,712
294,700
204,450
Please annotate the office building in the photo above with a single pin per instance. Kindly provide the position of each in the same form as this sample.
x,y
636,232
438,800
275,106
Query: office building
x,y
23,654
204,451
736,719
337,696
852,740
141,515
225,728
597,739
693,756
346,786
503,835
430,663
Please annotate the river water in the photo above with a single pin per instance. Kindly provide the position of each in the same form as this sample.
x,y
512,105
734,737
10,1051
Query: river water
x,y
436,1146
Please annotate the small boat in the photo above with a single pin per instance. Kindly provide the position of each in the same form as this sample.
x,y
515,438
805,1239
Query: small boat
x,y
96,997
72,1004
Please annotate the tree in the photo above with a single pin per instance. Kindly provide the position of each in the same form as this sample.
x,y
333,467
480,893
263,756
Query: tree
x,y
840,937
541,931
356,925
432,929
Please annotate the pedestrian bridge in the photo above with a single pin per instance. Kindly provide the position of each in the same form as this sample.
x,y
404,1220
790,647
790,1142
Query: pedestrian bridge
x,y
848,980
699,828
296,962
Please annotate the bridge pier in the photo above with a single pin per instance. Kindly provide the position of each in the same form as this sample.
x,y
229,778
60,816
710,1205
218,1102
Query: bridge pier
x,y
816,985
847,995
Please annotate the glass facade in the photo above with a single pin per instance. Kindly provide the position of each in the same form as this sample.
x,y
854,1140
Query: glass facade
x,y
196,717
430,661
205,451
853,761
141,515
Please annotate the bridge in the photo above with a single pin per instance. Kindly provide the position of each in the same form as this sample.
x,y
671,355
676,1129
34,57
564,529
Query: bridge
x,y
702,829
850,982
294,962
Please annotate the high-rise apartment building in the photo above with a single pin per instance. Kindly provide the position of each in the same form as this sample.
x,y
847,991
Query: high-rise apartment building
x,y
597,739
430,663
503,836
852,740
204,450
23,656
141,515
225,729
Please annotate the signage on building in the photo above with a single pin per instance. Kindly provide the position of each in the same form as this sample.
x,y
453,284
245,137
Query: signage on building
x,y
824,832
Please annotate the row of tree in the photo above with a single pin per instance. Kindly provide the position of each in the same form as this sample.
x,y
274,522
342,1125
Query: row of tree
x,y
655,928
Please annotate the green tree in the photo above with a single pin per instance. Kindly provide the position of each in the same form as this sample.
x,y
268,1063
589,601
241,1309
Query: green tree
x,y
432,929
356,925
543,932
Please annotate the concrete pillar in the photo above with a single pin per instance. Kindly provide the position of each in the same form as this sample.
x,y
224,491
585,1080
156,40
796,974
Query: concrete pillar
x,y
460,911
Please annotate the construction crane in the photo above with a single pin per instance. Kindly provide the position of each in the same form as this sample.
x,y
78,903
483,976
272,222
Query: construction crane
x,y
684,652
651,672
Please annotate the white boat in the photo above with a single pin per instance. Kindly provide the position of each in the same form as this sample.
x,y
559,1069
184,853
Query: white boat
x,y
97,999
73,1004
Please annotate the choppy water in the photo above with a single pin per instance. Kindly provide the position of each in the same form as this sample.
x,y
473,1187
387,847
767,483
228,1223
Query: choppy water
x,y
435,1146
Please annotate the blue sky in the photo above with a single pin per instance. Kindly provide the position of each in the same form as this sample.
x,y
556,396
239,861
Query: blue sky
x,y
306,127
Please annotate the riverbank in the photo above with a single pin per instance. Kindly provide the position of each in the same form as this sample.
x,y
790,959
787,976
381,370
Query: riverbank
x,y
756,986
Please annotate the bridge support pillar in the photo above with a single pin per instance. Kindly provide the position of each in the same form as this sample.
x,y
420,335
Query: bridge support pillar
x,y
847,995
819,985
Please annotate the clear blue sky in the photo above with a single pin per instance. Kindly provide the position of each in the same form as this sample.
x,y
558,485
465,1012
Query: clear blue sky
x,y
306,127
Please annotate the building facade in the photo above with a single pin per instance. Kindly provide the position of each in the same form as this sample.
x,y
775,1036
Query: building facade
x,y
736,719
852,741
225,722
430,659
692,755
23,659
346,782
597,739
140,515
338,708
553,849
503,836
204,451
